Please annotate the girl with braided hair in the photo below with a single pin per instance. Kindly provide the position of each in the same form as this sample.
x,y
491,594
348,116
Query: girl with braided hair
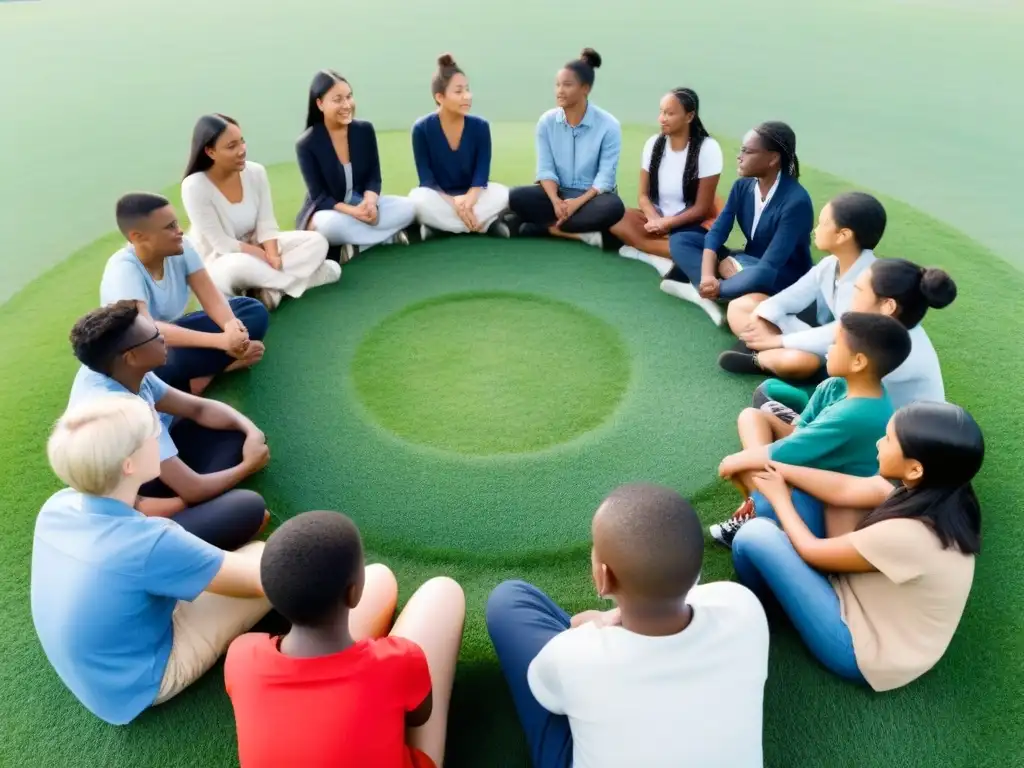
x,y
679,173
775,215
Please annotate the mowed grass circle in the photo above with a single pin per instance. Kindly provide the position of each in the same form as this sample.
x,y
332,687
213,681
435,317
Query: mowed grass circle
x,y
491,372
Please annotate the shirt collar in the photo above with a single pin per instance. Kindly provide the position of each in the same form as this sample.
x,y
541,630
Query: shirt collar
x,y
588,117
106,506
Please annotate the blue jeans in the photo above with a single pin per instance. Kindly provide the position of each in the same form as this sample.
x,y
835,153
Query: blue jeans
x,y
765,561
521,620
687,248
187,363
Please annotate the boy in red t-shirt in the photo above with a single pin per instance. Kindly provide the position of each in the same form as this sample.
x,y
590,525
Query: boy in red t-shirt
x,y
334,691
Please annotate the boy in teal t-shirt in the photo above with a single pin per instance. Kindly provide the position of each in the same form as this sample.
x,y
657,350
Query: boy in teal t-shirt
x,y
839,428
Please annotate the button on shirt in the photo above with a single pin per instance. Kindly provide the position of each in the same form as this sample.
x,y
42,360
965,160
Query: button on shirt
x,y
578,158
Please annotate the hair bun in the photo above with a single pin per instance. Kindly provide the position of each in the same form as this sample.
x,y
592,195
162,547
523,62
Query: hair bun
x,y
937,287
591,57
445,60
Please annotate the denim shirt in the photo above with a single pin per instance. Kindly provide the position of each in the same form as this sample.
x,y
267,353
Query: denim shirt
x,y
582,157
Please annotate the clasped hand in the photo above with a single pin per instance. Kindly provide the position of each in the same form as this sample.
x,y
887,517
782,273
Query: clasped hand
x,y
464,210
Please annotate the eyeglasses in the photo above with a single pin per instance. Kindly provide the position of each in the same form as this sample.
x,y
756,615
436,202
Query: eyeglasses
x,y
154,337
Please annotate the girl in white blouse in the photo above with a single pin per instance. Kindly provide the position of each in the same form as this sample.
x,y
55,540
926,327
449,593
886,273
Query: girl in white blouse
x,y
228,203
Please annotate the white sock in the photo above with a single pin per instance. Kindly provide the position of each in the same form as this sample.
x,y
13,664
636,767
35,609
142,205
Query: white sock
x,y
328,272
660,263
591,238
687,292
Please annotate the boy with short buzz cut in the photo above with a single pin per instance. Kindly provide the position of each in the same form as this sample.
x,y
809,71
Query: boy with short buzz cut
x,y
837,431
335,690
650,682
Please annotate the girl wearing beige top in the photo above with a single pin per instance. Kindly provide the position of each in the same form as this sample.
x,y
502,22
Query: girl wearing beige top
x,y
234,229
900,573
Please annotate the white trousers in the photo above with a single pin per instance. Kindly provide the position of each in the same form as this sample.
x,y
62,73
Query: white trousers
x,y
393,215
434,211
302,267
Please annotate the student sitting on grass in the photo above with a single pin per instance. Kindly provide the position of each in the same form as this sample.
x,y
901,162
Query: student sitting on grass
x,y
652,679
578,146
677,186
901,559
156,269
228,200
788,334
338,688
903,290
775,215
206,447
838,429
452,150
130,610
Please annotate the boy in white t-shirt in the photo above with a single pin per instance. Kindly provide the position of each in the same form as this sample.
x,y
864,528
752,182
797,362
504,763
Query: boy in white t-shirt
x,y
655,676
677,192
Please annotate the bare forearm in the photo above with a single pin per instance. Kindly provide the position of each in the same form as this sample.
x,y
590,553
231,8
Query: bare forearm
x,y
692,215
836,488
551,190
152,507
176,336
216,415
272,249
709,264
209,486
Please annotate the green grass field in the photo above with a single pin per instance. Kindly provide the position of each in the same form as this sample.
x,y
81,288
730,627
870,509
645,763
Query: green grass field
x,y
500,490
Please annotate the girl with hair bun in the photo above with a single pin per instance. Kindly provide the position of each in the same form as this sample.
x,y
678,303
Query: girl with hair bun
x,y
789,333
905,291
679,172
452,149
876,597
775,215
578,146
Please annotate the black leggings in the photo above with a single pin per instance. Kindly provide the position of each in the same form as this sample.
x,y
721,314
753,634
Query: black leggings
x,y
227,521
600,214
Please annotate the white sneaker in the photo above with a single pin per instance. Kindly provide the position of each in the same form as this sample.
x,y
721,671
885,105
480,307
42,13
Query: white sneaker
x,y
270,298
687,292
629,252
400,238
326,273
425,232
348,252
592,238
663,265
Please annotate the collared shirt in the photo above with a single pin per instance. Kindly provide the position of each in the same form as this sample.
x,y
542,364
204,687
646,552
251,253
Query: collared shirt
x,y
759,204
580,157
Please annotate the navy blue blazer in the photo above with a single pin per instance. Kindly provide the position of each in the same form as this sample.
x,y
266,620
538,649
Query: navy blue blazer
x,y
324,174
783,238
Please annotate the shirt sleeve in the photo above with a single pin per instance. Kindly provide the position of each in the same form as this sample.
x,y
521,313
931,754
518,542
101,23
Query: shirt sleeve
x,y
895,547
482,168
157,389
312,174
201,212
421,154
608,163
792,301
710,162
543,677
546,170
373,181
181,565
648,152
415,675
723,225
795,224
822,394
122,280
266,222
193,261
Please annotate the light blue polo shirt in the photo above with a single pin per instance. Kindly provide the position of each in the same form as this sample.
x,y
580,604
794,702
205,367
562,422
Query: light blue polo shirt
x,y
90,384
124,277
105,581
578,158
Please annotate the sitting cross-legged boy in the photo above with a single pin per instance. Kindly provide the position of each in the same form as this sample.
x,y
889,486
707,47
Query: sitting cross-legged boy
x,y
654,678
838,429
337,689
130,610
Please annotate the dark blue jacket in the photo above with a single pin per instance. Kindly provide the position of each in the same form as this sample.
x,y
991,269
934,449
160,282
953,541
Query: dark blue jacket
x,y
324,174
783,238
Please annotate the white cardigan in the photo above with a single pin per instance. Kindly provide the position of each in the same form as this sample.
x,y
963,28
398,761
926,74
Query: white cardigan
x,y
212,232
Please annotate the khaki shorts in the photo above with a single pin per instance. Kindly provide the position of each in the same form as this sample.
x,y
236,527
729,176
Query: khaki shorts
x,y
203,630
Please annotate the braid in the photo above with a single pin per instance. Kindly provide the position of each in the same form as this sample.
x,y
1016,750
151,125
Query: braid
x,y
780,138
690,180
657,152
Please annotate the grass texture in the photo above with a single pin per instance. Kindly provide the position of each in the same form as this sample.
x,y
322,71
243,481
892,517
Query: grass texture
x,y
469,401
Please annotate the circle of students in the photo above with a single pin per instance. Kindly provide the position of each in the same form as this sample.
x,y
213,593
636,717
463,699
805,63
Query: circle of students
x,y
857,510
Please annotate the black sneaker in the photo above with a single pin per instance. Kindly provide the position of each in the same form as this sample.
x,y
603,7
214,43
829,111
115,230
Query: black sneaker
x,y
739,362
726,531
529,229
499,229
740,346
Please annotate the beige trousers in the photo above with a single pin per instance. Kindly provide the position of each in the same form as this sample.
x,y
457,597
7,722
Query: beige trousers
x,y
203,630
434,211
302,267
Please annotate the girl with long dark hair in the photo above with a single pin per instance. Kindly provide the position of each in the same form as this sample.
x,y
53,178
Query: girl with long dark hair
x,y
340,164
679,172
899,547
228,201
